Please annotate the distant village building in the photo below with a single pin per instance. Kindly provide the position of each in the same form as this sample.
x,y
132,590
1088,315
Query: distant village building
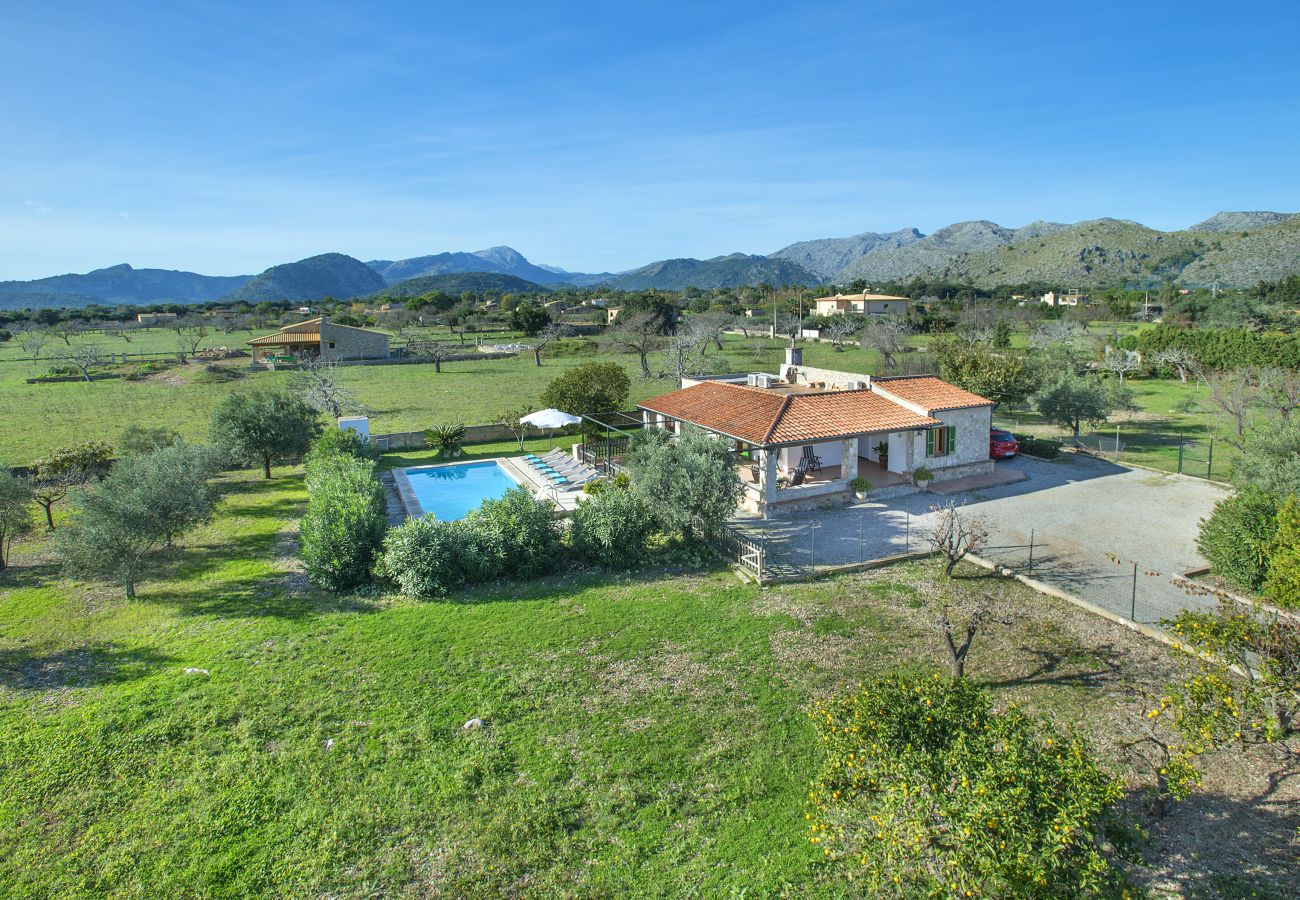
x,y
1064,298
611,314
865,303
154,318
321,338
754,313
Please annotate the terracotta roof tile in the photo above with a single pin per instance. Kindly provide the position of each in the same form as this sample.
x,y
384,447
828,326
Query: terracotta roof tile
x,y
934,394
840,413
740,412
761,416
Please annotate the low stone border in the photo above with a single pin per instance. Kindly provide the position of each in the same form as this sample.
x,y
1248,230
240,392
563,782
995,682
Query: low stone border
x,y
1044,588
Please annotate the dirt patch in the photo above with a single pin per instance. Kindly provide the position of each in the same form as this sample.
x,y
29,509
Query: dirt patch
x,y
669,668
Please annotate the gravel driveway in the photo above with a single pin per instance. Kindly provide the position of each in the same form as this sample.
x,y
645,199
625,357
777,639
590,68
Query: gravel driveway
x,y
1091,520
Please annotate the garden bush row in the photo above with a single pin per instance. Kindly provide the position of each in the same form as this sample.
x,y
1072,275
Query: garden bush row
x,y
1225,348
1252,540
343,528
516,536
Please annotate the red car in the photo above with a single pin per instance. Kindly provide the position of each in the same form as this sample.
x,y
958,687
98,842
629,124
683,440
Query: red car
x,y
1002,444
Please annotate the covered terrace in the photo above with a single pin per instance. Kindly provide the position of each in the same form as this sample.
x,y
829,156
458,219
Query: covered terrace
x,y
795,447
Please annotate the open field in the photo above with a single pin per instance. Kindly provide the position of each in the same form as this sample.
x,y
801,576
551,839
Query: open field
x,y
413,397
399,397
643,734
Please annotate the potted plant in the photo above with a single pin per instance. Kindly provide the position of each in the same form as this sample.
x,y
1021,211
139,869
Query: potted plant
x,y
922,476
860,486
882,451
446,439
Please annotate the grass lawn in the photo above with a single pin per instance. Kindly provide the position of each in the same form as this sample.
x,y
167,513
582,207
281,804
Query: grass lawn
x,y
644,734
400,397
1169,413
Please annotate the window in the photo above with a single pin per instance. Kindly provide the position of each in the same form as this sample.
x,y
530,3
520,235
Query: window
x,y
331,345
941,441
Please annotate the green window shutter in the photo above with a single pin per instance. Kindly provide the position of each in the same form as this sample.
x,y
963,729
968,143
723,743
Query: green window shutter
x,y
929,442
952,438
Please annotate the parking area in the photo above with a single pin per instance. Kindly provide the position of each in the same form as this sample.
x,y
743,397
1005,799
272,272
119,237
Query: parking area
x,y
1082,524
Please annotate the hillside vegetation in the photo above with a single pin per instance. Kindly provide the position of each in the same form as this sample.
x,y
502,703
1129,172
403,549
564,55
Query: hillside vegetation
x,y
734,270
457,283
328,275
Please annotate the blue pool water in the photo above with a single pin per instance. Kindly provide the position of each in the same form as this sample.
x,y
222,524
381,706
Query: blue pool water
x,y
450,492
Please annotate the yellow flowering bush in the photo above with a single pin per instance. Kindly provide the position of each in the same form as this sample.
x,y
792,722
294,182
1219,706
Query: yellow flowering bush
x,y
926,791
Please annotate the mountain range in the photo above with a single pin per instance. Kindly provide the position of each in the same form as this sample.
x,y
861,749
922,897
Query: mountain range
x,y
1234,249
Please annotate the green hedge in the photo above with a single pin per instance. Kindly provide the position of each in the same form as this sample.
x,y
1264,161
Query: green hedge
x,y
1039,447
1238,537
343,527
1225,348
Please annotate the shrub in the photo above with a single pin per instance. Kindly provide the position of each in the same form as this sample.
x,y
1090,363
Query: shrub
x,y
343,527
860,485
1282,585
1039,447
138,440
589,389
341,441
446,439
1237,538
923,473
926,791
426,558
612,528
689,484
522,528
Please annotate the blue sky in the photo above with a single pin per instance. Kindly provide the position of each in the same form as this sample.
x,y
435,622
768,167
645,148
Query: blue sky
x,y
227,137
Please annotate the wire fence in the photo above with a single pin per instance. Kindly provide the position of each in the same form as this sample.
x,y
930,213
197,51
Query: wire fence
x,y
1141,591
1144,445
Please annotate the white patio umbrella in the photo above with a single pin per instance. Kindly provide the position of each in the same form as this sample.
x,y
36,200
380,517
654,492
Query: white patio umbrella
x,y
550,419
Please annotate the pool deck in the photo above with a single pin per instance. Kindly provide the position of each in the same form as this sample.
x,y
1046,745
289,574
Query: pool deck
x,y
565,501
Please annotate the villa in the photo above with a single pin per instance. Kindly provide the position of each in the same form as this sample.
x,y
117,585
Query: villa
x,y
800,438
864,303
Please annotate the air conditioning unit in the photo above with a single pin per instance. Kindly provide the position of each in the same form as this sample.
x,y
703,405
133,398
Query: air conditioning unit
x,y
856,386
761,380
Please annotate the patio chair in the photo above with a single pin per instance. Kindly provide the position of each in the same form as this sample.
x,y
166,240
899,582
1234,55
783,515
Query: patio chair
x,y
813,462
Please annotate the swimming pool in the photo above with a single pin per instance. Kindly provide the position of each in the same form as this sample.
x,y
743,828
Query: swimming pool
x,y
450,492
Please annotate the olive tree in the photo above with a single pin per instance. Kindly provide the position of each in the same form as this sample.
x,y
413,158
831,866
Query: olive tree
x,y
689,483
60,471
16,495
262,427
1071,401
141,505
887,335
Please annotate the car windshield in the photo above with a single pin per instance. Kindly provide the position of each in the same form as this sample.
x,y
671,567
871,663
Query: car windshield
x,y
1003,436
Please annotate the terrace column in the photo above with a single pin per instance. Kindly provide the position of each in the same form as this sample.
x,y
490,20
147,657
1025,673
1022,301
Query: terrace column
x,y
767,475
848,459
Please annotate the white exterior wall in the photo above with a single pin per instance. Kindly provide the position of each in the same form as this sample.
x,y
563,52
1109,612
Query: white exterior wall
x,y
829,451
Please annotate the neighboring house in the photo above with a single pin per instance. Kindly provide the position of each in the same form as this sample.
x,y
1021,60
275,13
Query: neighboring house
x,y
867,304
1062,298
321,338
155,318
226,314
755,312
885,428
611,314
